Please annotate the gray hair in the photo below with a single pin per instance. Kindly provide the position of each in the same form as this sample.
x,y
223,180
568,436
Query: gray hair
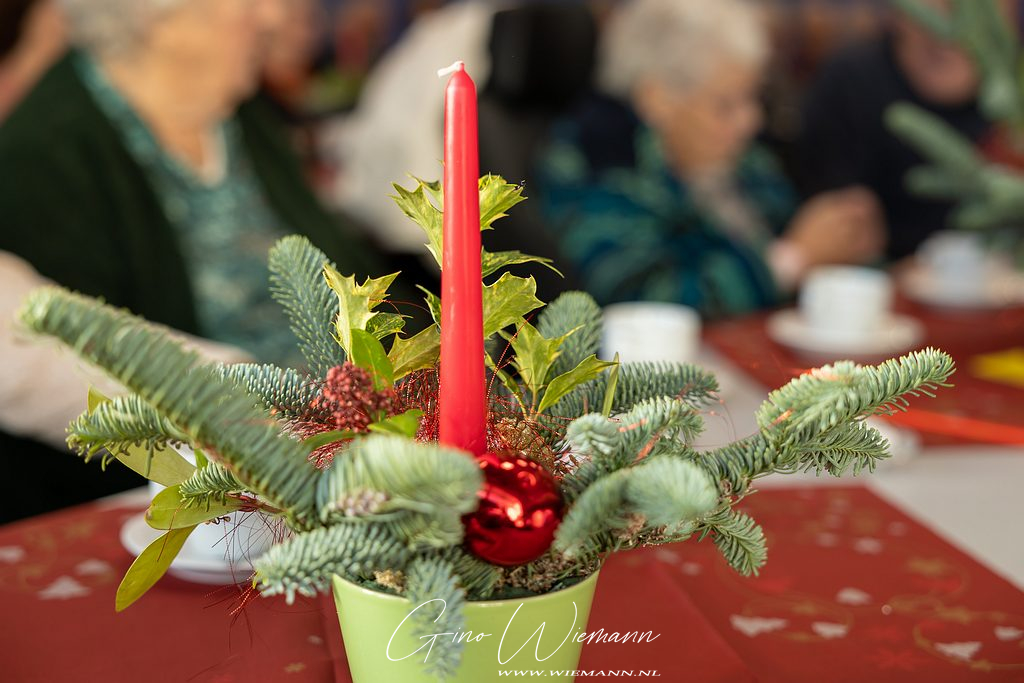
x,y
112,26
678,41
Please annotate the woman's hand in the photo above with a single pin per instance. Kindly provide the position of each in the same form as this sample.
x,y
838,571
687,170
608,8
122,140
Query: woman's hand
x,y
843,226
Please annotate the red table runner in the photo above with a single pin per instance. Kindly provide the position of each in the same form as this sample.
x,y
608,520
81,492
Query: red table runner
x,y
855,591
977,411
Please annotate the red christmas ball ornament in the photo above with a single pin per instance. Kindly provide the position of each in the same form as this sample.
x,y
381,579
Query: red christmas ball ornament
x,y
520,508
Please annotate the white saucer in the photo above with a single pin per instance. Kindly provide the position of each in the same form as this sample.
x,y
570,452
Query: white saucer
x,y
191,564
897,334
1002,287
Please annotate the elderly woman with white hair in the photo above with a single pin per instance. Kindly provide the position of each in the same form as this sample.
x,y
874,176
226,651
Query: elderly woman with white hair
x,y
659,192
138,169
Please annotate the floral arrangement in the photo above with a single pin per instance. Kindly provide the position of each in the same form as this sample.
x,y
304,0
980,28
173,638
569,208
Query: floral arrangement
x,y
344,452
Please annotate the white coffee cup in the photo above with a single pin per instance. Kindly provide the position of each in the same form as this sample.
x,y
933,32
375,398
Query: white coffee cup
x,y
957,262
846,302
651,331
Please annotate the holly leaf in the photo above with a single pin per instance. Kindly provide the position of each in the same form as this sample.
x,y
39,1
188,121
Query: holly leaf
x,y
356,303
433,302
535,354
368,353
589,368
148,567
418,352
507,301
407,424
417,205
169,510
165,466
496,197
491,263
383,325
424,204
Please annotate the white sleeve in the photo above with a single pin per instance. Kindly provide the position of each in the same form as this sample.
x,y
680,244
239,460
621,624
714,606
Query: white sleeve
x,y
43,385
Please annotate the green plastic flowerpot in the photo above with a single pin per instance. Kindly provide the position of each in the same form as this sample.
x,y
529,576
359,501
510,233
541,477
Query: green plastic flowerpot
x,y
380,646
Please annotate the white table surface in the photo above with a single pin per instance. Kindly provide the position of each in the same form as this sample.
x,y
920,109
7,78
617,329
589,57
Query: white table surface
x,y
970,495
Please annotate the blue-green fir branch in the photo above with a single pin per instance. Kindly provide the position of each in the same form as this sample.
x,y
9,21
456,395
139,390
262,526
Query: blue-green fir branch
x,y
297,283
304,563
213,483
422,489
284,392
739,538
215,413
433,583
119,424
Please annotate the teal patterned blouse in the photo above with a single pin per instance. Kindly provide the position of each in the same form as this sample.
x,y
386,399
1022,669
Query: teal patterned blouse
x,y
633,231
225,228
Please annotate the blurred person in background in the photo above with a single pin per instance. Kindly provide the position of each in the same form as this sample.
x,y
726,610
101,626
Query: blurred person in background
x,y
138,169
32,37
396,129
660,193
844,139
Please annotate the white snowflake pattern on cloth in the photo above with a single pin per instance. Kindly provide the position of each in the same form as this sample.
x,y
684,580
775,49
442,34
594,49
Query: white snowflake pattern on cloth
x,y
11,554
897,529
93,567
690,568
827,540
667,556
828,630
963,651
867,546
63,588
1006,633
315,640
852,596
754,626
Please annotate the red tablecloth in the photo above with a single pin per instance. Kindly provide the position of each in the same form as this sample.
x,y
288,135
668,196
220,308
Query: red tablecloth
x,y
854,591
977,411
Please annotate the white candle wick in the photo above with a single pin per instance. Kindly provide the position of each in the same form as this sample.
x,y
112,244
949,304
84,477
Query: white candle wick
x,y
456,65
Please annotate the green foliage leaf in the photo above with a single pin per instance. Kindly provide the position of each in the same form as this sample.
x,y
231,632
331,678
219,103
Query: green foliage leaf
x,y
588,369
534,355
169,510
407,424
369,354
418,206
423,205
322,439
383,325
492,262
497,197
609,392
433,302
356,304
148,567
507,301
418,352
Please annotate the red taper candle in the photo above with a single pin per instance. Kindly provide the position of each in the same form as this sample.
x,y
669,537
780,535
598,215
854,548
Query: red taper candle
x,y
462,403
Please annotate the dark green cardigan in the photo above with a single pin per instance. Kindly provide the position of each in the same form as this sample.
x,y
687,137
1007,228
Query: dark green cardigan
x,y
76,205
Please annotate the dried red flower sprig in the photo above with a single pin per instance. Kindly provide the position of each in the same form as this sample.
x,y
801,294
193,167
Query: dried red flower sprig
x,y
350,398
